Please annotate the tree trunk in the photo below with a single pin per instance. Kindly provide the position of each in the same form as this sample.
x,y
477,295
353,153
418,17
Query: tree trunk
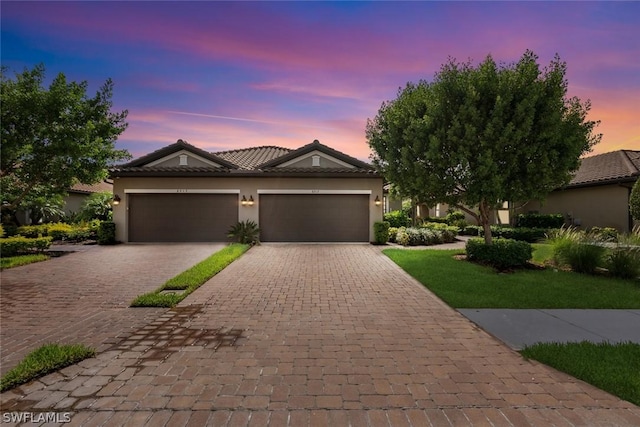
x,y
485,211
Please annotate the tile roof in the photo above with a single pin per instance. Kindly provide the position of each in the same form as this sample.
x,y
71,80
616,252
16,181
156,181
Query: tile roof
x,y
100,187
317,146
169,171
173,148
250,158
616,166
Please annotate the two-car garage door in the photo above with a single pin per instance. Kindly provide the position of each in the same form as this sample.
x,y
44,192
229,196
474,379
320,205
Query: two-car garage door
x,y
171,217
314,217
181,217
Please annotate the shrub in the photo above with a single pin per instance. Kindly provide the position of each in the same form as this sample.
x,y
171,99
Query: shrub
x,y
392,234
604,234
12,246
502,254
634,201
59,231
402,237
33,231
97,206
624,262
245,232
397,219
471,230
576,249
381,232
1,231
531,235
532,220
107,233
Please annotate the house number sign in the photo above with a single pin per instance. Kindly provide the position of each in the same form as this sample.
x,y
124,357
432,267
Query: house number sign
x,y
181,190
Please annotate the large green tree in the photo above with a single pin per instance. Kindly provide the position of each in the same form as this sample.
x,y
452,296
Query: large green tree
x,y
634,201
54,137
476,136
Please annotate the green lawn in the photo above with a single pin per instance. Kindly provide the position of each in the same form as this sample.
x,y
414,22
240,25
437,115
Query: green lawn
x,y
191,279
462,284
611,367
45,359
18,260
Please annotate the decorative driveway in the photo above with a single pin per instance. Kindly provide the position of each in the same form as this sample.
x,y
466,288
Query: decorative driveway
x,y
296,335
84,297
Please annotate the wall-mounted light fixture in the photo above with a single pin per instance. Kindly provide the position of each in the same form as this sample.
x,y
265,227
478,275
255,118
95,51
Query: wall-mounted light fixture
x,y
245,202
116,200
378,202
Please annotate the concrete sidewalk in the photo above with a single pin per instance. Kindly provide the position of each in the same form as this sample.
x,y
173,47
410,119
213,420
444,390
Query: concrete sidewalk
x,y
519,328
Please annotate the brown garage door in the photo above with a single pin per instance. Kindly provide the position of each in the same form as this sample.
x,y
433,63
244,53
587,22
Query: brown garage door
x,y
181,217
314,217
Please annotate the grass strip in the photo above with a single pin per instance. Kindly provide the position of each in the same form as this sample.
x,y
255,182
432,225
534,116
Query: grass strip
x,y
463,284
44,360
191,279
18,260
614,368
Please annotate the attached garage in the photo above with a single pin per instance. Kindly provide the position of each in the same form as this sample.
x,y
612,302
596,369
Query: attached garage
x,y
314,217
181,217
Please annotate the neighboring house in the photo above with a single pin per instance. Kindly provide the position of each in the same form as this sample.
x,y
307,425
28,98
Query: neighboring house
x,y
79,193
598,195
181,193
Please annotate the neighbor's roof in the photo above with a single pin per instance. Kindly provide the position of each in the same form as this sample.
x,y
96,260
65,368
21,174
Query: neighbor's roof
x,y
616,166
100,187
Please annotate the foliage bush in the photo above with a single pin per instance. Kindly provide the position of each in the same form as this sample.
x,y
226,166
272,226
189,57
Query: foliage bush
x,y
393,231
33,231
634,201
624,262
97,206
381,232
12,246
107,233
245,232
1,231
531,220
502,254
577,249
471,230
531,235
397,219
604,234
424,236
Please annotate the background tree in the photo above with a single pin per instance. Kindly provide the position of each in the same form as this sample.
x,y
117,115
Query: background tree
x,y
475,137
634,201
53,138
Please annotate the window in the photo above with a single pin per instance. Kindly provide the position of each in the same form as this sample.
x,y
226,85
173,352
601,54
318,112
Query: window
x,y
315,161
183,159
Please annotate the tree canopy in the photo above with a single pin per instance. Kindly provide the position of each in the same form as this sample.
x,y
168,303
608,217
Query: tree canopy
x,y
634,201
474,137
54,137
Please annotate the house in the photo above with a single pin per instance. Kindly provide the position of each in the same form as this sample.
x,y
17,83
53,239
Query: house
x,y
181,193
79,192
598,194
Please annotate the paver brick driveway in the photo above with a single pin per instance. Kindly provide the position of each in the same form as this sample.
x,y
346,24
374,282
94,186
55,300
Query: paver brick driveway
x,y
83,297
316,335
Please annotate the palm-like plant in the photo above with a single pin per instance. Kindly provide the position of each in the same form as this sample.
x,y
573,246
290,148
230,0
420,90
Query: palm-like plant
x,y
246,232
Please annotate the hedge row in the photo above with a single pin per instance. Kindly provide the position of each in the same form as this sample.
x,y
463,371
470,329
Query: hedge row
x,y
12,246
502,254
531,235
423,236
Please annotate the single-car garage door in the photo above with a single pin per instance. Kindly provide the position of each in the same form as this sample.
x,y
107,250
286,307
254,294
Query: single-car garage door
x,y
314,217
181,217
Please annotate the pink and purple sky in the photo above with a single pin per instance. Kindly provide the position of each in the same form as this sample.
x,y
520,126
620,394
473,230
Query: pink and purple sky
x,y
228,75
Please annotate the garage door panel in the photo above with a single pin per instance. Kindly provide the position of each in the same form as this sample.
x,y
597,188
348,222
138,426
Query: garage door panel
x,y
181,217
314,218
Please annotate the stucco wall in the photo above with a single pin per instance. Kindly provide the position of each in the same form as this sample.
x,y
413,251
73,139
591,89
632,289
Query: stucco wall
x,y
601,206
246,186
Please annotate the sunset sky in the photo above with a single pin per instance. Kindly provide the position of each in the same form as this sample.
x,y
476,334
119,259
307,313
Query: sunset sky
x,y
228,75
